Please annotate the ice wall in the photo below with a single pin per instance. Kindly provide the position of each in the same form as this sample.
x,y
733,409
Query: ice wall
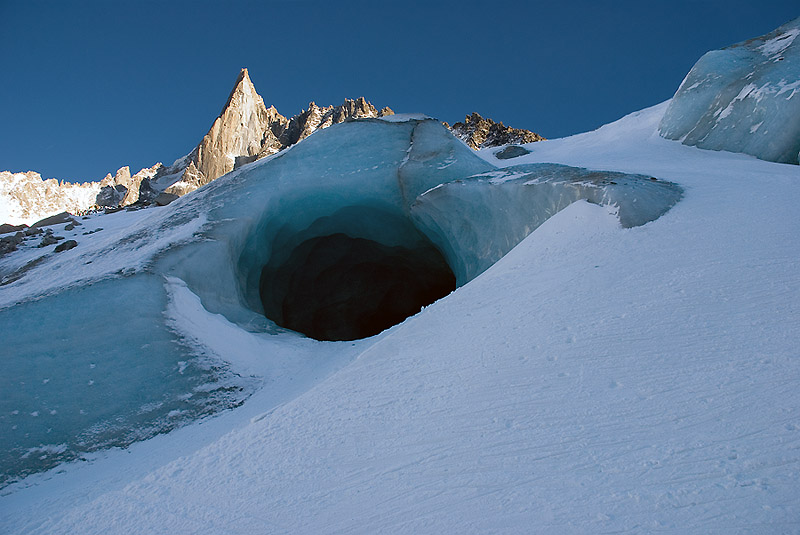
x,y
743,98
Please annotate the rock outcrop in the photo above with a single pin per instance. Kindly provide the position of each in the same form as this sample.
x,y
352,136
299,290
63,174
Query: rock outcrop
x,y
123,189
65,246
245,131
480,133
245,127
316,118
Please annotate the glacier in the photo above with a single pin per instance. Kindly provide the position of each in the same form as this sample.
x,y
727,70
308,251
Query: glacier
x,y
743,98
338,238
594,379
620,354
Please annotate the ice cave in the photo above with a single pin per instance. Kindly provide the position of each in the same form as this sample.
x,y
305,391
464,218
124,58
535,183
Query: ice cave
x,y
338,238
332,282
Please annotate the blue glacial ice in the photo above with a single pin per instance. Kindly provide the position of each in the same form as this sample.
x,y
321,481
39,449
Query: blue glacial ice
x,y
498,209
97,366
338,238
743,98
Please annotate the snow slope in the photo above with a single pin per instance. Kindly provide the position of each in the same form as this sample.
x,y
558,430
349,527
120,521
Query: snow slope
x,y
596,379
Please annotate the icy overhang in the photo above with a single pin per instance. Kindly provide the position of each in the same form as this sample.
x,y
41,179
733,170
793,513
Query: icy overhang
x,y
407,186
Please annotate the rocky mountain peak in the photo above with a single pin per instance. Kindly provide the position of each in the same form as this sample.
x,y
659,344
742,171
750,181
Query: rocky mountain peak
x,y
123,188
315,118
242,128
122,177
243,90
479,133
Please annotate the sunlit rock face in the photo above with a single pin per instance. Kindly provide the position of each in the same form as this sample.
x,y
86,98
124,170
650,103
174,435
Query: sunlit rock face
x,y
479,133
339,237
743,98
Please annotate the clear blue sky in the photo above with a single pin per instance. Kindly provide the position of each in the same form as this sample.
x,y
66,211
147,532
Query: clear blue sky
x,y
87,87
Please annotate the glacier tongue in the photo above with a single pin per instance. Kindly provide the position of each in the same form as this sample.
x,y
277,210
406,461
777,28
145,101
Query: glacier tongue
x,y
744,98
276,245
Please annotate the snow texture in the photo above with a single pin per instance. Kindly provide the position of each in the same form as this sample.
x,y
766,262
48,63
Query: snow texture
x,y
596,378
744,98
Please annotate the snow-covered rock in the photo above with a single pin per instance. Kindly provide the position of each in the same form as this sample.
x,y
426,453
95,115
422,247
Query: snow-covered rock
x,y
743,98
26,197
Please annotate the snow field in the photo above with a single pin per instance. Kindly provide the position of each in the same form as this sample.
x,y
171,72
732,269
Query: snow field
x,y
595,379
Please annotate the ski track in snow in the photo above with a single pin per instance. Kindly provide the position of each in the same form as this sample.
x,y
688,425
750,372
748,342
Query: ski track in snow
x,y
593,380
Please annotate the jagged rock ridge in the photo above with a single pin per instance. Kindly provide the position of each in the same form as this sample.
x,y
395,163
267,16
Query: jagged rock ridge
x,y
123,189
480,133
244,131
25,196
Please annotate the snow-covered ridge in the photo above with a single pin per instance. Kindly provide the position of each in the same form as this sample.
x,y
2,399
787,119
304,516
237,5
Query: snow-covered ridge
x,y
27,197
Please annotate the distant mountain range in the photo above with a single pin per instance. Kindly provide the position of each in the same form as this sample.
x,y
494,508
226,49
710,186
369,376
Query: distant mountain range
x,y
244,131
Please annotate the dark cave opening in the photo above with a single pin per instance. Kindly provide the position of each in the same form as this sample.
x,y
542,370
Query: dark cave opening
x,y
337,287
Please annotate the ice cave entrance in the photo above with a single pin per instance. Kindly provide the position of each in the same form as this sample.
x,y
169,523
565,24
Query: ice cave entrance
x,y
349,285
365,223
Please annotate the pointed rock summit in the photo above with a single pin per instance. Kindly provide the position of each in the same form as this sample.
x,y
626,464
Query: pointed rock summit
x,y
245,131
242,129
